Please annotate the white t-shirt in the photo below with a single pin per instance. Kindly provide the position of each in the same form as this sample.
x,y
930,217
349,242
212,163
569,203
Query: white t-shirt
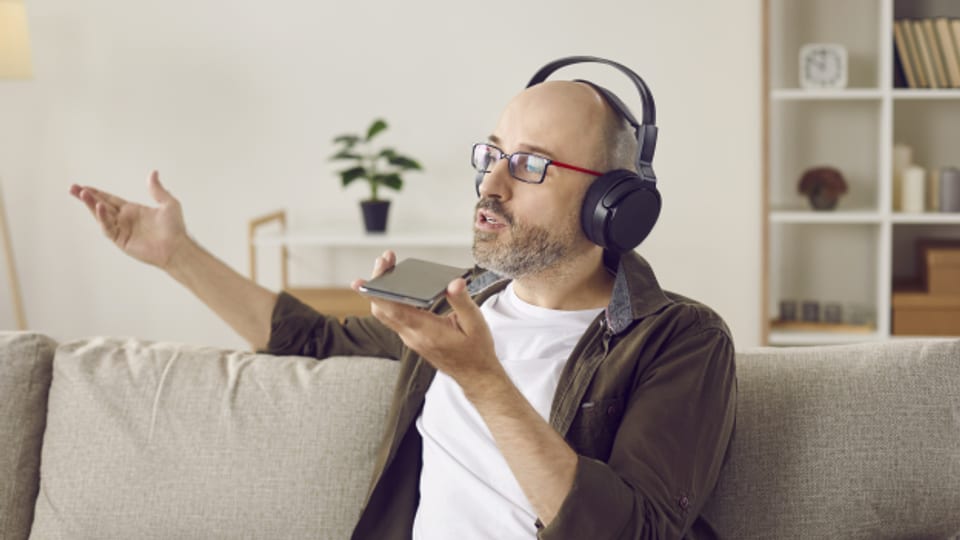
x,y
466,487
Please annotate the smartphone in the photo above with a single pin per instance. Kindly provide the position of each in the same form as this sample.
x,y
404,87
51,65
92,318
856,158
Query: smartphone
x,y
414,281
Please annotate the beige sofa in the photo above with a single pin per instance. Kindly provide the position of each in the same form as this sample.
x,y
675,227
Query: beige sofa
x,y
120,439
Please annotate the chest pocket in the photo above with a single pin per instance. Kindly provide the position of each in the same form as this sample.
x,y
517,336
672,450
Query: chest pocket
x,y
593,430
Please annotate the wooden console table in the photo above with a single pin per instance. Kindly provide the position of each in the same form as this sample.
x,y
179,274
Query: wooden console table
x,y
338,301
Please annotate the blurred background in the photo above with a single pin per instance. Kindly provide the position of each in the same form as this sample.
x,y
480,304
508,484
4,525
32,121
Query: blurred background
x,y
236,103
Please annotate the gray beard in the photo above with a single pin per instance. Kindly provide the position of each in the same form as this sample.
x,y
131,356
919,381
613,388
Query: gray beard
x,y
530,250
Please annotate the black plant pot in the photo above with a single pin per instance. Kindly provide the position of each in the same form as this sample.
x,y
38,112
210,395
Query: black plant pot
x,y
375,215
822,199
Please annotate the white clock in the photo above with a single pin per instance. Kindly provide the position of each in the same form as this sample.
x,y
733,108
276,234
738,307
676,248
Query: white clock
x,y
823,65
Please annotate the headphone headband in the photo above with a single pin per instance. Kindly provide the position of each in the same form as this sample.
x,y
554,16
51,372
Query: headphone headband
x,y
646,131
649,108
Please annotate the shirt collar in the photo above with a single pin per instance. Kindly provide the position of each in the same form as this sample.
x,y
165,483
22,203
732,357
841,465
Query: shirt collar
x,y
636,292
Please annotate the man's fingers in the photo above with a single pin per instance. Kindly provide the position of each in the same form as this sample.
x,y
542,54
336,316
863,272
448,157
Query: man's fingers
x,y
468,314
401,315
384,262
85,197
157,191
104,197
105,214
107,220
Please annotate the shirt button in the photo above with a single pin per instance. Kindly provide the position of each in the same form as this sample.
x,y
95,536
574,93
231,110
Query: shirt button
x,y
611,410
684,502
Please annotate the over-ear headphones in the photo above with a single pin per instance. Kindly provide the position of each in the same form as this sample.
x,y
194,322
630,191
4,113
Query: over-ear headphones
x,y
621,206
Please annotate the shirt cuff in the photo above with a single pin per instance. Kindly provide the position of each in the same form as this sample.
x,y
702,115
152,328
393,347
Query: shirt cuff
x,y
288,322
600,505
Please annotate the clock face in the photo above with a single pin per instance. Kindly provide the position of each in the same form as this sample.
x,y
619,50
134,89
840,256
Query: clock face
x,y
823,66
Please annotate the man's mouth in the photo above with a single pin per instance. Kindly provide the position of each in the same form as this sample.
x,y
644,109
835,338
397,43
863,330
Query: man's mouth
x,y
488,220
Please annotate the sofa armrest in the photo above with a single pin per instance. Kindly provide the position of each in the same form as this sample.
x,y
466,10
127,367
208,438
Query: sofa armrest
x,y
25,363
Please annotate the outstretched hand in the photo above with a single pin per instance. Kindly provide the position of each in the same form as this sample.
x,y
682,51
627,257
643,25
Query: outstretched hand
x,y
149,234
458,343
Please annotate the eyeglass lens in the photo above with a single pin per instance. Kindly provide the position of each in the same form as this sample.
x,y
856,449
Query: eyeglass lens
x,y
523,166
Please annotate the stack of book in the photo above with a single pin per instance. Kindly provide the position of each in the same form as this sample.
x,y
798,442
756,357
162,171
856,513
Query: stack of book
x,y
927,52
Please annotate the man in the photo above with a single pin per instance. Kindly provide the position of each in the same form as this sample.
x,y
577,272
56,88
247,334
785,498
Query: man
x,y
572,399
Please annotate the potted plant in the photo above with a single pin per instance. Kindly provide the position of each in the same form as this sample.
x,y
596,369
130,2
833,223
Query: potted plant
x,y
823,186
380,167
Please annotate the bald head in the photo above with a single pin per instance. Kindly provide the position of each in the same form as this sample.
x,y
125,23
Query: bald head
x,y
569,121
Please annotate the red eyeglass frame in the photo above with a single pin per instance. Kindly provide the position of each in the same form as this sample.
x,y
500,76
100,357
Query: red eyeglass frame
x,y
504,155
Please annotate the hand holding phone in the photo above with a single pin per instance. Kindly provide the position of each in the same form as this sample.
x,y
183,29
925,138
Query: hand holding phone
x,y
415,282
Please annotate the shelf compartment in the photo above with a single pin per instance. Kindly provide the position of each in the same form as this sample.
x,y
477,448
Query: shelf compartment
x,y
852,23
905,256
931,128
840,134
825,263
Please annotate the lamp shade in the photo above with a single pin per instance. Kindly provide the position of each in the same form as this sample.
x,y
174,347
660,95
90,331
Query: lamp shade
x,y
14,41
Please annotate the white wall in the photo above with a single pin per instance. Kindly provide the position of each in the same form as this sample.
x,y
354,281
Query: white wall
x,y
236,102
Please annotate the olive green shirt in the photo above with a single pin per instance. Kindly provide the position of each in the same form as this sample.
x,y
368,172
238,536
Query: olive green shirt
x,y
646,400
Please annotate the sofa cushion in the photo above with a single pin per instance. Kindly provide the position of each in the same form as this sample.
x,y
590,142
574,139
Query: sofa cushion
x,y
157,440
858,441
25,363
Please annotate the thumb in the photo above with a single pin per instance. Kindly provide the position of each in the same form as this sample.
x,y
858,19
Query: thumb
x,y
468,313
157,190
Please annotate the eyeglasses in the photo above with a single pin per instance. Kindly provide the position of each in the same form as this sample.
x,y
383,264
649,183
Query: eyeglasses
x,y
523,166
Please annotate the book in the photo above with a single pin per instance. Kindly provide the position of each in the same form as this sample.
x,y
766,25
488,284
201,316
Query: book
x,y
936,57
899,78
955,26
925,57
903,53
914,50
951,56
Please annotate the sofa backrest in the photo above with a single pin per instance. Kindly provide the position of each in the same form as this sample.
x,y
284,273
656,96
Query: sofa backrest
x,y
25,363
157,440
855,441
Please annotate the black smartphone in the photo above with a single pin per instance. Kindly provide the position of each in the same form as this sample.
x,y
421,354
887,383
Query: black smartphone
x,y
414,281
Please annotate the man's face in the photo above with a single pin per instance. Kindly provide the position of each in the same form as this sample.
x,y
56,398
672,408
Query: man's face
x,y
523,229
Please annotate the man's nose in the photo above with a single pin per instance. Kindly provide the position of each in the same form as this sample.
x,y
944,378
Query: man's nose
x,y
497,182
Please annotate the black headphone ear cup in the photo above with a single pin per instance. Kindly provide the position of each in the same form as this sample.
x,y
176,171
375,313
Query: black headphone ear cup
x,y
619,210
590,222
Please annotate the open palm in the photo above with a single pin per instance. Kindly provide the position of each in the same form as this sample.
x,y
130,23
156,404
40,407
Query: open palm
x,y
149,234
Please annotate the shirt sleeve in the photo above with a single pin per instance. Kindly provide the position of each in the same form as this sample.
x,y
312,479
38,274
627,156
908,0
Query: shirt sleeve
x,y
297,329
668,451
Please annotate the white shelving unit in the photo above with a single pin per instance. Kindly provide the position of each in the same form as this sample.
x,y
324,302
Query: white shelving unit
x,y
356,239
350,247
334,254
853,254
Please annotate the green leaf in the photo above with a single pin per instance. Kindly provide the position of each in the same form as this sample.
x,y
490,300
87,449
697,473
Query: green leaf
x,y
345,154
348,140
349,175
377,126
392,180
404,162
387,153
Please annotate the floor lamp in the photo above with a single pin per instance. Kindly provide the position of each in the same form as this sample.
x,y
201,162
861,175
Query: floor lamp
x,y
14,64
